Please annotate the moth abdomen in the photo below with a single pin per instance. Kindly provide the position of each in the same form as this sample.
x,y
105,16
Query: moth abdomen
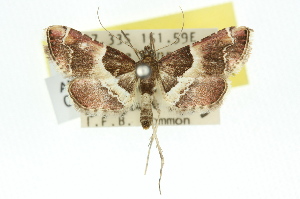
x,y
146,116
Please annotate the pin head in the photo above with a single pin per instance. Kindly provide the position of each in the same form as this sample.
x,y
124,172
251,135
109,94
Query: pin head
x,y
143,70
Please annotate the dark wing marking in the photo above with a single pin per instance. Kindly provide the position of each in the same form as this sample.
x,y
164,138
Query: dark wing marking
x,y
120,66
116,62
174,65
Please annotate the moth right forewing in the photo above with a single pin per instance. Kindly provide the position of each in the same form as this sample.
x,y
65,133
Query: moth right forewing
x,y
196,77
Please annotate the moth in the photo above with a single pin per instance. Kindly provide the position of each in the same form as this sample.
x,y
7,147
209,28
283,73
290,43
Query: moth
x,y
192,78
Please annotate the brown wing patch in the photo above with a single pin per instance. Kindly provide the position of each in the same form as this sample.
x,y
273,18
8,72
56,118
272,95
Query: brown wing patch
x,y
211,52
177,62
76,54
88,94
203,92
238,52
224,50
116,62
174,65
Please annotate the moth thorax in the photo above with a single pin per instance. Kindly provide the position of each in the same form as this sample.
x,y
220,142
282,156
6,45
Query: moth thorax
x,y
143,70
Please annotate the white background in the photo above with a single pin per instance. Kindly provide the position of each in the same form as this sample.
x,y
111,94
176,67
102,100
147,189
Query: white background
x,y
254,153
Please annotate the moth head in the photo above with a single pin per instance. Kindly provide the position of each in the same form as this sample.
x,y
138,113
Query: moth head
x,y
147,52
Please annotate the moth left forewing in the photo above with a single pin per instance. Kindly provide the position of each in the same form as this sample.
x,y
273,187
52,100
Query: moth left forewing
x,y
75,54
118,75
105,72
195,77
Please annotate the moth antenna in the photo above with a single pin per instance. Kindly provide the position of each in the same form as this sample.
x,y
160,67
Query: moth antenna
x,y
104,27
115,36
152,41
152,46
179,33
130,45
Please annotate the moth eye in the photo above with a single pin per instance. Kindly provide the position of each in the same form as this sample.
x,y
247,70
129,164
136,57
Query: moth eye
x,y
143,71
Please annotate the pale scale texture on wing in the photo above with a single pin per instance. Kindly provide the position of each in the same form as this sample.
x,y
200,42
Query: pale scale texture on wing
x,y
203,92
90,96
210,52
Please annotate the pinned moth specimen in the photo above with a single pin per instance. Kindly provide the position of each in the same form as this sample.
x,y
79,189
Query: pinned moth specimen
x,y
192,78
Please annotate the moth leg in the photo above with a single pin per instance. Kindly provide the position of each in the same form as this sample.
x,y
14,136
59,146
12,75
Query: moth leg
x,y
154,137
155,106
162,159
149,149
